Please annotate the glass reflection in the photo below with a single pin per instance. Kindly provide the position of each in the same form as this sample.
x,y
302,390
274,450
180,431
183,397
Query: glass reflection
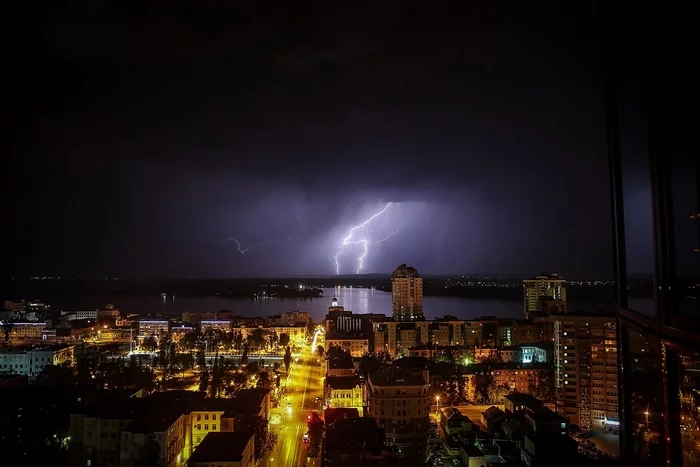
x,y
688,387
685,174
636,185
645,413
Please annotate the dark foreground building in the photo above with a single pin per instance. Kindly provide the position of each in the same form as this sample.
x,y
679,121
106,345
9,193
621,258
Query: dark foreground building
x,y
652,105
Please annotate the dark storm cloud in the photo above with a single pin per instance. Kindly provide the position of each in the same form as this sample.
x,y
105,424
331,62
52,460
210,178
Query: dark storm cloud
x,y
156,132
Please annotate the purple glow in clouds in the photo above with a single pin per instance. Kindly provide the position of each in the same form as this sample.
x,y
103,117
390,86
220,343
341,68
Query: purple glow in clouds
x,y
360,230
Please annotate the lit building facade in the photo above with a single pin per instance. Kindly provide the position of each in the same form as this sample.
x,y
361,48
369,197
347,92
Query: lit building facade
x,y
343,391
355,346
406,294
217,325
157,328
26,330
585,370
544,294
31,362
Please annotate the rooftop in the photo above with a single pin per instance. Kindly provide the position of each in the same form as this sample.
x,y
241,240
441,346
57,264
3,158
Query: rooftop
x,y
222,447
396,378
35,348
332,415
451,412
493,412
345,335
471,450
154,421
519,398
409,363
343,382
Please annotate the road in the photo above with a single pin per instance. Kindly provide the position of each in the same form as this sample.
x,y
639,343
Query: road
x,y
303,386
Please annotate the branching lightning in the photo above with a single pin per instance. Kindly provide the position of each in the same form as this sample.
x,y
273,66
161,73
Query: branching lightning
x,y
365,241
257,245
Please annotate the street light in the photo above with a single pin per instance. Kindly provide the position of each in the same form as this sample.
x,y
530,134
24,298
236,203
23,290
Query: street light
x,y
437,402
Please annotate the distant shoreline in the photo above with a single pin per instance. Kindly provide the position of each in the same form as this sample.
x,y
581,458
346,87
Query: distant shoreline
x,y
283,288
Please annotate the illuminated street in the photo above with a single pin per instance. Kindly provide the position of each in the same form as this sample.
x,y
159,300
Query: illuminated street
x,y
303,387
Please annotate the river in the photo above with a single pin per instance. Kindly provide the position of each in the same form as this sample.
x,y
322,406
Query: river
x,y
358,300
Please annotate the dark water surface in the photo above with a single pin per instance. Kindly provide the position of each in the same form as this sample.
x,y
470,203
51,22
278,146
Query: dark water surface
x,y
356,299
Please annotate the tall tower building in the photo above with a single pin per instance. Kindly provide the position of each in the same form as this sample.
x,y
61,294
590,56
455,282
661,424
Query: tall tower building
x,y
406,294
585,370
544,295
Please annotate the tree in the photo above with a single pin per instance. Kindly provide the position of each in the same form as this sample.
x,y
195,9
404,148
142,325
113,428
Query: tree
x,y
150,344
370,364
461,390
204,381
284,339
484,385
252,368
189,341
316,428
239,379
7,329
244,356
264,381
201,360
274,339
258,338
186,361
320,351
544,389
237,340
56,375
287,358
264,439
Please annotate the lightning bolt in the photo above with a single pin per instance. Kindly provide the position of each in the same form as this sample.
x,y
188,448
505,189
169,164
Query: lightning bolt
x,y
257,245
365,242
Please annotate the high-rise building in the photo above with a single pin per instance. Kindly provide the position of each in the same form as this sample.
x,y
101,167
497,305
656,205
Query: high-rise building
x,y
544,295
406,294
585,370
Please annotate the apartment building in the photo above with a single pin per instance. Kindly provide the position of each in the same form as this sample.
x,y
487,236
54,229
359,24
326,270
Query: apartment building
x,y
292,318
585,370
406,294
27,330
157,328
545,294
400,402
215,325
356,345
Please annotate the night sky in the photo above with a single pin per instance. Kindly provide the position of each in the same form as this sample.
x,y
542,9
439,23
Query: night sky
x,y
148,137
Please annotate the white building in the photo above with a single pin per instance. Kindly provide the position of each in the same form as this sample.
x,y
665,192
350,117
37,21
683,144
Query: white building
x,y
533,354
79,315
31,362
158,328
